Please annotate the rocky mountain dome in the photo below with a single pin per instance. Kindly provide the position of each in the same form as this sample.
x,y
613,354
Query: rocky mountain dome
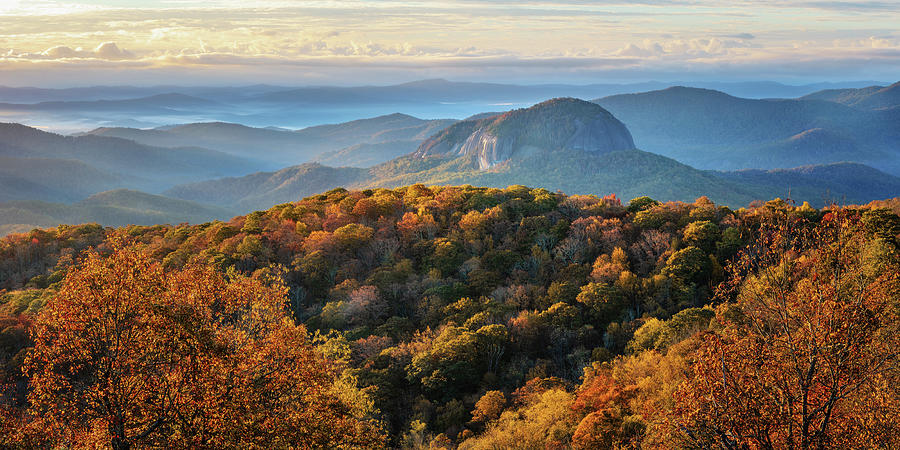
x,y
558,124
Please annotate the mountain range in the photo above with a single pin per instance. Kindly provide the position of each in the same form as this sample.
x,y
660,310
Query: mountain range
x,y
563,144
676,143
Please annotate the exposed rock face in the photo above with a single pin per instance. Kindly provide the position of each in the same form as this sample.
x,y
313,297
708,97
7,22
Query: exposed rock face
x,y
558,124
487,148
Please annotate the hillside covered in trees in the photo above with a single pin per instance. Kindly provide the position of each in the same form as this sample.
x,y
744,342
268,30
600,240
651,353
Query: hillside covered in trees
x,y
459,317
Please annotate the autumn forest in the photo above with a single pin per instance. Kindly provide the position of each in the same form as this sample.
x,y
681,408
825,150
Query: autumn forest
x,y
459,317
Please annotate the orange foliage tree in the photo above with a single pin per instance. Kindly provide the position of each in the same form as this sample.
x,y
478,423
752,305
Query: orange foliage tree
x,y
607,422
128,354
807,354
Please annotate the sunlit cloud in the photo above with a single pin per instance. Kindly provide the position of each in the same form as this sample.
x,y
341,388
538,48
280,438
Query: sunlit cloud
x,y
80,42
108,51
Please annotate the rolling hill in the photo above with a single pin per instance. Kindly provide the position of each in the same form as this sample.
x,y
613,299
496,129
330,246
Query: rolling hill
x,y
630,172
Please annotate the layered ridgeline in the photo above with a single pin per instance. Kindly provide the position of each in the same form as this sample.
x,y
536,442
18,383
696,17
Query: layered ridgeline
x,y
713,130
51,167
37,165
47,179
264,105
358,143
565,144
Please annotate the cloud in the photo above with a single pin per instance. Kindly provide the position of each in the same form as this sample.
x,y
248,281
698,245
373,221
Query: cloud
x,y
111,51
653,49
685,48
108,51
849,6
494,39
61,51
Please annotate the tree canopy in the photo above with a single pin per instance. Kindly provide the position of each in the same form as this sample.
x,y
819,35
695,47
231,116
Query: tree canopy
x,y
458,317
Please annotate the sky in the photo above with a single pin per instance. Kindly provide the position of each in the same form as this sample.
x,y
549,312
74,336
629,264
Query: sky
x,y
358,42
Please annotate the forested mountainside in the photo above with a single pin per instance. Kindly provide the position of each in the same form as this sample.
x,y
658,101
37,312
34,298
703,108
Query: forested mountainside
x,y
465,317
627,173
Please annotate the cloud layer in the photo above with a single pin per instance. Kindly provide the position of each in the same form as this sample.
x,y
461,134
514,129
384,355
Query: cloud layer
x,y
353,41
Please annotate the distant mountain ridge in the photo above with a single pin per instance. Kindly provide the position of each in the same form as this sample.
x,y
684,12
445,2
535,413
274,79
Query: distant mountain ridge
x,y
442,90
756,89
73,110
49,179
161,101
39,166
130,163
281,148
872,97
713,130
